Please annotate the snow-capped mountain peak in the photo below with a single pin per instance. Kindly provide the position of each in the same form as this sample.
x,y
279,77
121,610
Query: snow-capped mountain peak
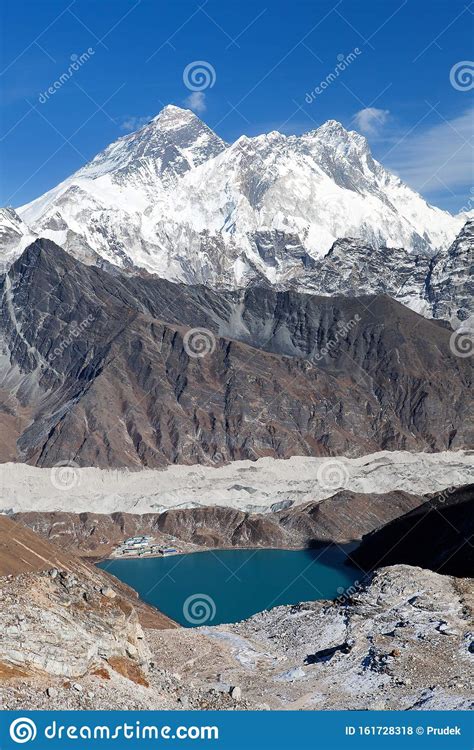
x,y
172,117
335,130
333,136
175,199
171,143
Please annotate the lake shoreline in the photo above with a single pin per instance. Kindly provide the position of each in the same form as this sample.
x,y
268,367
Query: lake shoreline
x,y
353,543
231,585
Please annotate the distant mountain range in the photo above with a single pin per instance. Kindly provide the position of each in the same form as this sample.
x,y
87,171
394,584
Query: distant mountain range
x,y
314,213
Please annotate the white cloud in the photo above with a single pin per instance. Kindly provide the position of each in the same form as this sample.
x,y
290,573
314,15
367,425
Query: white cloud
x,y
132,122
436,158
370,119
196,101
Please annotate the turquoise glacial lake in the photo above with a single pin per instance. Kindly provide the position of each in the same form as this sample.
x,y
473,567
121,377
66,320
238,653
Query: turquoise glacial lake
x,y
224,586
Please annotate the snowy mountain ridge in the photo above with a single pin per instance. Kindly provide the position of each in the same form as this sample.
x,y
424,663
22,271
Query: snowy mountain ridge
x,y
177,201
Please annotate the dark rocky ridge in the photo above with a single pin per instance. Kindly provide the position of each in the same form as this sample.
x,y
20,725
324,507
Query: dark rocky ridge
x,y
95,371
438,535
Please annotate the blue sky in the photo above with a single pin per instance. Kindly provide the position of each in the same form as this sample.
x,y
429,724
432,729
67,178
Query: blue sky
x,y
268,56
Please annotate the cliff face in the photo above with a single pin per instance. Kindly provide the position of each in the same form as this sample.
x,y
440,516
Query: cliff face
x,y
97,369
436,535
61,618
60,624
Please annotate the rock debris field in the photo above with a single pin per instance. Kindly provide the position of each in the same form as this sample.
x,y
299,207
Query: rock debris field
x,y
253,486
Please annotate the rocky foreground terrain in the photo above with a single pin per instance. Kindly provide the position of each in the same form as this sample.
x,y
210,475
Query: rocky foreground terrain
x,y
61,619
401,640
23,552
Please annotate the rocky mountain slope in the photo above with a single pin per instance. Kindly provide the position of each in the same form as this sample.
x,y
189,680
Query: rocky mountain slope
x,y
99,368
401,640
446,520
450,287
342,518
57,624
440,286
24,552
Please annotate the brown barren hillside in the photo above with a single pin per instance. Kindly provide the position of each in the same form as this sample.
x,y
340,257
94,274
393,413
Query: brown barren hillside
x,y
344,517
101,371
22,551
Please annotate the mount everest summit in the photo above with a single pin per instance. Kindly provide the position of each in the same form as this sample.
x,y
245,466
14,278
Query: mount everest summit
x,y
314,213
